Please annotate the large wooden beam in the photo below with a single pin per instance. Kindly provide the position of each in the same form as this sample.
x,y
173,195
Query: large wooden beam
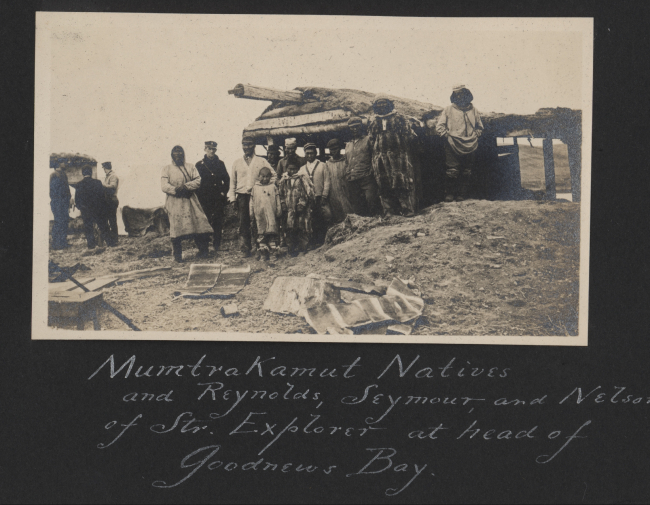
x,y
575,167
269,94
549,168
293,131
304,119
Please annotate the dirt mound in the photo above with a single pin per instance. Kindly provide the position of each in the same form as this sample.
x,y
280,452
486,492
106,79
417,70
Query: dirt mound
x,y
483,268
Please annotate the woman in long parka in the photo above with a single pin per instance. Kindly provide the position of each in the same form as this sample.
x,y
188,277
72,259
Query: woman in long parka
x,y
180,180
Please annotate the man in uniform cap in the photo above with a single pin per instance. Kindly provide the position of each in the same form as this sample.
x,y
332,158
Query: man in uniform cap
x,y
243,175
213,192
364,194
60,204
460,124
111,183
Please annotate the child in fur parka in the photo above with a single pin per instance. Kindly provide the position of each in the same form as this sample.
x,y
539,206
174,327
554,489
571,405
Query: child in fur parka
x,y
297,200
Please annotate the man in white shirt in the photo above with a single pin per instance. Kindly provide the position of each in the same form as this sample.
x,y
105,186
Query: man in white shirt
x,y
245,171
111,183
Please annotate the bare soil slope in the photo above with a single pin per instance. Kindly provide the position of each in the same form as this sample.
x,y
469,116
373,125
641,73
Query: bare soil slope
x,y
484,268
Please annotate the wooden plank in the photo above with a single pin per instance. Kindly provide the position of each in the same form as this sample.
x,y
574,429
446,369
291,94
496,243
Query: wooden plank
x,y
294,110
294,131
96,285
139,273
259,93
68,285
549,168
304,119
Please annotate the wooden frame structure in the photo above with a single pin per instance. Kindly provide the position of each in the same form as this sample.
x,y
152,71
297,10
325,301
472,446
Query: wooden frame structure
x,y
320,114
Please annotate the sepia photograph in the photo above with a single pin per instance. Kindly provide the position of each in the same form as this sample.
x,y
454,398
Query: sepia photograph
x,y
312,178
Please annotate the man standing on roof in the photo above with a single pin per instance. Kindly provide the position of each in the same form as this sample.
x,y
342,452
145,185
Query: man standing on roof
x,y
362,186
460,123
111,182
393,162
243,176
60,205
213,192
290,146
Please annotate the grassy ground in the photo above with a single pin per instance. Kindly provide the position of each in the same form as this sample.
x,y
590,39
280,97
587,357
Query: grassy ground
x,y
484,268
531,162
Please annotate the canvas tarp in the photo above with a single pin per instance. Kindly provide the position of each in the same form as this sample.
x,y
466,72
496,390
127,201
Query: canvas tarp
x,y
138,221
319,302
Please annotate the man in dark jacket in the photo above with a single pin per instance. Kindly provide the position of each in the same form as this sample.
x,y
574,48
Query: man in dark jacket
x,y
364,194
213,192
60,205
89,199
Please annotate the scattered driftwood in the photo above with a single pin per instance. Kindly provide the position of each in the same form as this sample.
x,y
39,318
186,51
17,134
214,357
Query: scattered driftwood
x,y
81,304
132,275
259,93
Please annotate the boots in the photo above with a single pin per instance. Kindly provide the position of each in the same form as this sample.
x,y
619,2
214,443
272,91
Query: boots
x,y
451,188
177,249
464,186
202,243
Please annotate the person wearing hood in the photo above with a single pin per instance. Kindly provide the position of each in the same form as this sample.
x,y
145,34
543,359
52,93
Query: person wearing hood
x,y
180,181
393,163
213,192
460,124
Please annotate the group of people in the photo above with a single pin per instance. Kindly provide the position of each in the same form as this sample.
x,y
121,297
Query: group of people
x,y
291,201
96,200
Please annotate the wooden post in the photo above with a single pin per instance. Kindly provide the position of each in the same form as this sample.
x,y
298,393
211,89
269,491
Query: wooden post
x,y
515,175
575,167
549,167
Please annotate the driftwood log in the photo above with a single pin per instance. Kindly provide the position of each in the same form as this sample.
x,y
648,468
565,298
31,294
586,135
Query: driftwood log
x,y
259,93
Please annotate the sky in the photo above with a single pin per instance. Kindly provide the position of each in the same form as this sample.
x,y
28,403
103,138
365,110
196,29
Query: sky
x,y
126,88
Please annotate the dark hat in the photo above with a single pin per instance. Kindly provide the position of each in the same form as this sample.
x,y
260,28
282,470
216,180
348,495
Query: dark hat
x,y
380,97
211,143
309,145
248,139
107,164
354,121
274,148
334,143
